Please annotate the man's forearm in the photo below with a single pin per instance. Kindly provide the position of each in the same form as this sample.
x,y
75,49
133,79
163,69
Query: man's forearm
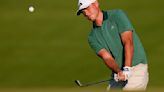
x,y
127,39
110,62
129,50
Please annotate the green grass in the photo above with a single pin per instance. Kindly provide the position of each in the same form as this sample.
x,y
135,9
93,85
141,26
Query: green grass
x,y
48,48
74,90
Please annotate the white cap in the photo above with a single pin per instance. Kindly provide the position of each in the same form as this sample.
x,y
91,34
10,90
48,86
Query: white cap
x,y
82,4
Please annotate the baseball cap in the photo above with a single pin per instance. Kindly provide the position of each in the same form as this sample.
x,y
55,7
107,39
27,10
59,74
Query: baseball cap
x,y
82,4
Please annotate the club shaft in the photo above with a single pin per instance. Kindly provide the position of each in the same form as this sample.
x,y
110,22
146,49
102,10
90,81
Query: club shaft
x,y
94,83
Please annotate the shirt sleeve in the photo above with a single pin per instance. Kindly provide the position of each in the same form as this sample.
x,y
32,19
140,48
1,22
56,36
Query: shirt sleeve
x,y
123,22
95,45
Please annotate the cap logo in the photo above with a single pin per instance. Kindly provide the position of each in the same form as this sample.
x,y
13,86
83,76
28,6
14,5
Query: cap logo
x,y
80,4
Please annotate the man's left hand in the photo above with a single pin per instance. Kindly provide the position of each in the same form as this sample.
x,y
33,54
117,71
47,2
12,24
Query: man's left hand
x,y
127,72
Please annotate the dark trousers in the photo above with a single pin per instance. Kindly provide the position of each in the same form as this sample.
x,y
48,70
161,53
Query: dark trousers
x,y
117,85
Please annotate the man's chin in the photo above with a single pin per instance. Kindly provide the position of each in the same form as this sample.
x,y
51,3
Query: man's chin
x,y
91,19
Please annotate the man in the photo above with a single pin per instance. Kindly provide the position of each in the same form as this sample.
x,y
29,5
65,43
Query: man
x,y
115,41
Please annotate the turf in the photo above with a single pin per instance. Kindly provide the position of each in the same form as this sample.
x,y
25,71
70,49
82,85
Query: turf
x,y
74,90
49,48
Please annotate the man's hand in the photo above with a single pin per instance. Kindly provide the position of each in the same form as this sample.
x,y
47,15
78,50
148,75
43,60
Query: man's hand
x,y
127,72
123,75
119,76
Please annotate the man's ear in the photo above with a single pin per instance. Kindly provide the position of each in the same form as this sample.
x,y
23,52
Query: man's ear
x,y
96,3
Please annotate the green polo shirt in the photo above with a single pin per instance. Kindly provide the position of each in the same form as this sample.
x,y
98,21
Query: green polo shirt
x,y
108,35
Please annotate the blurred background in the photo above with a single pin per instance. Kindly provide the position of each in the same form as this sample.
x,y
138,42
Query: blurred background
x,y
48,48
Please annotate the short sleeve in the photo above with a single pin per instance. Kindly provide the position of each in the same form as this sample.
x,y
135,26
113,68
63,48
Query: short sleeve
x,y
123,22
94,45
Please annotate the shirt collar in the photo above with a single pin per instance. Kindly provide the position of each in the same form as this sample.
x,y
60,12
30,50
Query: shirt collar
x,y
105,16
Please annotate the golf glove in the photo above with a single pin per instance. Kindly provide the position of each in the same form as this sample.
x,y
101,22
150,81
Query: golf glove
x,y
115,77
127,72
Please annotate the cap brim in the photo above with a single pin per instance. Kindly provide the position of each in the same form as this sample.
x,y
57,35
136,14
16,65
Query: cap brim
x,y
79,12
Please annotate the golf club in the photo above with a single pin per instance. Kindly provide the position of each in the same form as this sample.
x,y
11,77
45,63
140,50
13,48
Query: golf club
x,y
89,84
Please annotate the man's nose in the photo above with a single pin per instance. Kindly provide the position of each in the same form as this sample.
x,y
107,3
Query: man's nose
x,y
86,13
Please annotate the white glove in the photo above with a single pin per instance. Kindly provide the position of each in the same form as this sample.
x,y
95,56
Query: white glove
x,y
127,72
115,77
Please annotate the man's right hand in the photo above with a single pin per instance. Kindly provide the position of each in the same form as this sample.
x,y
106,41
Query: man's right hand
x,y
120,76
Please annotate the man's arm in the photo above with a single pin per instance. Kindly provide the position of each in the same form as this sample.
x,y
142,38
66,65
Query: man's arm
x,y
127,39
109,60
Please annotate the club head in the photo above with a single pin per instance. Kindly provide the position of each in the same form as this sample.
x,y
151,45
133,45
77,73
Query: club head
x,y
78,83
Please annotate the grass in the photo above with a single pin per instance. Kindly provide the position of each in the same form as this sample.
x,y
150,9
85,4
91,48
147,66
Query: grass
x,y
74,90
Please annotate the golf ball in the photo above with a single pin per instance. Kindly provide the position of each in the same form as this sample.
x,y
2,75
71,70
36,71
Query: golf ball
x,y
31,9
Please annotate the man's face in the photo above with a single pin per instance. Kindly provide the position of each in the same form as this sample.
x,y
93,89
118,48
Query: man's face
x,y
91,12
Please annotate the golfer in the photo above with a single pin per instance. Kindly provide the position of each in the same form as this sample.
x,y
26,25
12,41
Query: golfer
x,y
114,39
